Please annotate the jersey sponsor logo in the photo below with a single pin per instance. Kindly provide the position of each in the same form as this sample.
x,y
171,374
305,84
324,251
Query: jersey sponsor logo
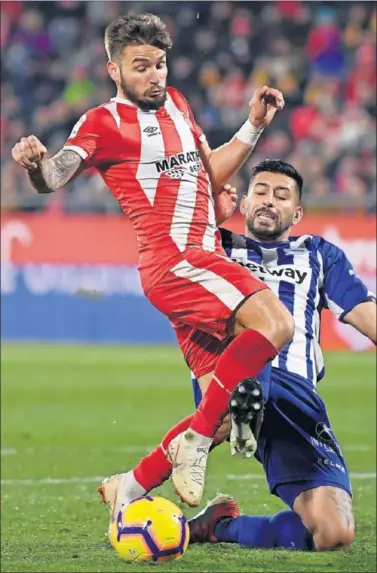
x,y
176,165
285,272
151,130
325,439
328,462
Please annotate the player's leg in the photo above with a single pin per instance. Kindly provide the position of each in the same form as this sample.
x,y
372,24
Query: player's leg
x,y
245,356
324,502
321,520
284,529
263,319
224,294
326,512
241,361
155,468
152,471
300,444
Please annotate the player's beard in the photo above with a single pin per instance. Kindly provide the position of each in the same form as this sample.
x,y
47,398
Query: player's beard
x,y
265,235
143,104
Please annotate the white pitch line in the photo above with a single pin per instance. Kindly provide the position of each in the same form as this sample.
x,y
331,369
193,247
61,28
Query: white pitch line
x,y
98,479
357,448
132,449
52,481
52,449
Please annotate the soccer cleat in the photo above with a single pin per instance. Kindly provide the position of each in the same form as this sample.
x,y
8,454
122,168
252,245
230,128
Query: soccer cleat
x,y
188,453
113,493
246,414
202,525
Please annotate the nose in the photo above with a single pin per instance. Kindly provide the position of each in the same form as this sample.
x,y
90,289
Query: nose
x,y
154,77
269,200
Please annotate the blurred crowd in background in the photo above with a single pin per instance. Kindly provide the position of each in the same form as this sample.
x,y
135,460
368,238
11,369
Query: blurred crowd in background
x,y
321,55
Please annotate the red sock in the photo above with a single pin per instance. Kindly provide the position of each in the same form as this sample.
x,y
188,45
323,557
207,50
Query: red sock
x,y
244,358
155,468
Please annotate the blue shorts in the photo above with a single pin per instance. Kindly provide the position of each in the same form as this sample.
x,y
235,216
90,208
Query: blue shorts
x,y
296,446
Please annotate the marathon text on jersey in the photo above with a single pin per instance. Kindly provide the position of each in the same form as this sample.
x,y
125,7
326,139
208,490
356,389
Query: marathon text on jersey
x,y
189,158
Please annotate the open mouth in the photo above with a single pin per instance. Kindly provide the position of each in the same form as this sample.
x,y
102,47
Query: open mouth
x,y
266,216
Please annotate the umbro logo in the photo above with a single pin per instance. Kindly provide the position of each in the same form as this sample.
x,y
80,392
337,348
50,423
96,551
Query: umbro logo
x,y
150,130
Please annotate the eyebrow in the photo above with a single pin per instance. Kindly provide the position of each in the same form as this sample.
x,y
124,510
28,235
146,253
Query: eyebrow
x,y
278,188
138,59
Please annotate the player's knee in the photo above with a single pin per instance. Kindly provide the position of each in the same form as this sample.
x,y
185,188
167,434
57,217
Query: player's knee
x,y
287,328
280,329
330,536
265,313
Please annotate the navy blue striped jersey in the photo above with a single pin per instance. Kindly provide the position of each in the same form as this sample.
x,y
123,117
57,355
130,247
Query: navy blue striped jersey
x,y
308,274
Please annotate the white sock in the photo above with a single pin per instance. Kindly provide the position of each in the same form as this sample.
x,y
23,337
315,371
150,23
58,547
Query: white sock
x,y
132,488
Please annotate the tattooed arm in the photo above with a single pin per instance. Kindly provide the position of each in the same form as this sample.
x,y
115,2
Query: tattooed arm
x,y
51,174
46,175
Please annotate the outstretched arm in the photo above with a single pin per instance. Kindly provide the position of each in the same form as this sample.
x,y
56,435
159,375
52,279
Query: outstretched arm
x,y
363,317
222,163
46,175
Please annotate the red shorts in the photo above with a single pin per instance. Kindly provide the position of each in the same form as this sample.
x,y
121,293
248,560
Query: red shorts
x,y
200,349
202,291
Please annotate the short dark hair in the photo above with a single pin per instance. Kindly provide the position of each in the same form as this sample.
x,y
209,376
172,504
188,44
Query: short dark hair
x,y
278,166
136,29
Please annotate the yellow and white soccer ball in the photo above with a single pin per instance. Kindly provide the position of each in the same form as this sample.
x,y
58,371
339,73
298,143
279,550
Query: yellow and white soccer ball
x,y
150,529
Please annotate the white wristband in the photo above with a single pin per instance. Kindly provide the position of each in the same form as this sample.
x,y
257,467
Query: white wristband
x,y
248,134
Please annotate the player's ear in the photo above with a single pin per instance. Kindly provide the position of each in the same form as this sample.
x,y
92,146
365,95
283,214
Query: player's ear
x,y
113,70
243,205
297,216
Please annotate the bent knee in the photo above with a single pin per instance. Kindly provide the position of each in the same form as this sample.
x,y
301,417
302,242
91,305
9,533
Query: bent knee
x,y
332,537
265,313
282,327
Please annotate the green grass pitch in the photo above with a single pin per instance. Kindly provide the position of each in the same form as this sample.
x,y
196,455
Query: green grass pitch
x,y
71,414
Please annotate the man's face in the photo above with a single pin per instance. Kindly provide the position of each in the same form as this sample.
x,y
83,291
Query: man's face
x,y
271,206
141,75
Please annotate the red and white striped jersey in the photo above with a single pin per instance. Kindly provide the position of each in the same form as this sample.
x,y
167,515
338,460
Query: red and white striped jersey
x,y
151,163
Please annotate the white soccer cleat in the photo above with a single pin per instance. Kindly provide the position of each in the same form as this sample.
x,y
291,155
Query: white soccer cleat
x,y
188,453
113,493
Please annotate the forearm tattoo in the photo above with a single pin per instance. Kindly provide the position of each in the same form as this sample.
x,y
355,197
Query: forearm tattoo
x,y
56,172
343,505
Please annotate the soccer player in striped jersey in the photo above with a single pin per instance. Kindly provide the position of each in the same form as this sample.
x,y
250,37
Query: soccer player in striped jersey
x,y
301,457
155,159
303,462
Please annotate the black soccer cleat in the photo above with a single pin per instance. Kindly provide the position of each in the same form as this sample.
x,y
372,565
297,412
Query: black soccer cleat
x,y
246,414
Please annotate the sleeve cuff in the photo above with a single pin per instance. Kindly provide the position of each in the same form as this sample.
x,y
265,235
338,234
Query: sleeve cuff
x,y
79,150
371,298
